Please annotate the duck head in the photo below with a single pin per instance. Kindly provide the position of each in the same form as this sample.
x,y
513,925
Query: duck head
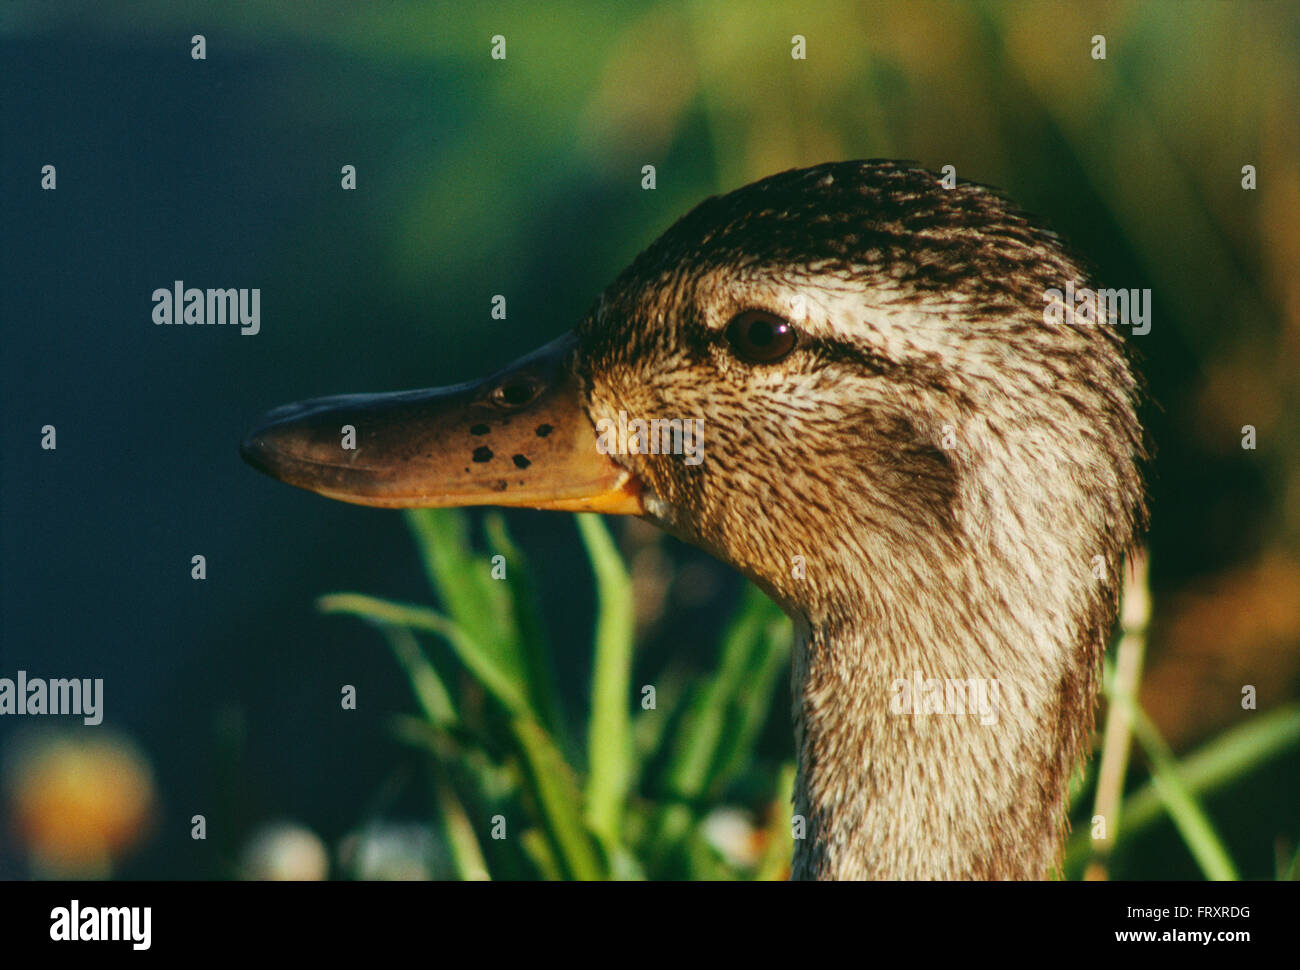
x,y
881,429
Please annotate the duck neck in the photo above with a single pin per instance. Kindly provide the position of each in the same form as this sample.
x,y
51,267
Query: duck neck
x,y
935,753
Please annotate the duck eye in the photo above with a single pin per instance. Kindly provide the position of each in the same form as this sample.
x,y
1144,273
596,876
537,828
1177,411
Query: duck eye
x,y
760,337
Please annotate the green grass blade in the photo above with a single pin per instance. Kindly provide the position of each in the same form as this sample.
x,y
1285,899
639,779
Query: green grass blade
x,y
556,790
1120,682
714,737
456,830
479,662
548,776
711,738
650,726
1184,807
1290,873
442,536
760,669
462,579
493,781
1221,761
609,731
434,699
1210,768
543,690
538,848
779,851
695,742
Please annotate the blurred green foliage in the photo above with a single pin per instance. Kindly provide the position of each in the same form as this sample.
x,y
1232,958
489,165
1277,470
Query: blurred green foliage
x,y
622,799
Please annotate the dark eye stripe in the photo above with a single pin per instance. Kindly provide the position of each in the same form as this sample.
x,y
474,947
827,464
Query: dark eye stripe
x,y
843,352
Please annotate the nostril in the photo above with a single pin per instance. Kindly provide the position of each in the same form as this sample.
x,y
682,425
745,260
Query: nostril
x,y
516,393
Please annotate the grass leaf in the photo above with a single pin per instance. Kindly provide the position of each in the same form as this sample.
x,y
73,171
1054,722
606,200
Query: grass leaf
x,y
430,692
462,579
1184,807
548,775
480,663
1212,767
725,713
553,785
534,645
609,731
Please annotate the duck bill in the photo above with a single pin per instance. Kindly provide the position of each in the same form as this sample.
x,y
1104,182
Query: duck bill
x,y
519,438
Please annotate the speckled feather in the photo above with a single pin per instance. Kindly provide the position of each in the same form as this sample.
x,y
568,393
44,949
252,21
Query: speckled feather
x,y
920,315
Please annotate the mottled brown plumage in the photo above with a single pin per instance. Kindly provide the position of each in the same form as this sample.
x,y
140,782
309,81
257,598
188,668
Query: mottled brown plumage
x,y
948,466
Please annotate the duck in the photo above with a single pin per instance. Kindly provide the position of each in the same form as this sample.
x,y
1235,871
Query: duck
x,y
938,482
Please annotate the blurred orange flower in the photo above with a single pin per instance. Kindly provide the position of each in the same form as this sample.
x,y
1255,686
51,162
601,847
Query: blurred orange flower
x,y
78,803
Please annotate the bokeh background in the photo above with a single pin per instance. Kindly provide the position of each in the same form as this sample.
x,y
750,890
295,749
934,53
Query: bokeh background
x,y
522,177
